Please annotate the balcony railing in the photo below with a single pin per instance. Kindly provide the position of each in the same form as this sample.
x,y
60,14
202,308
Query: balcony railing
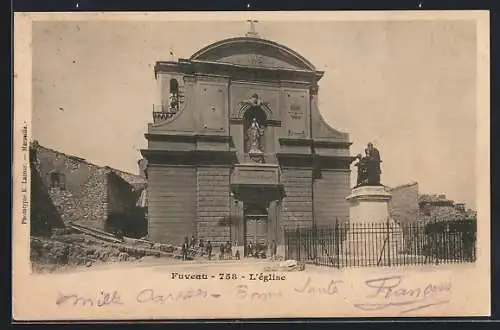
x,y
162,112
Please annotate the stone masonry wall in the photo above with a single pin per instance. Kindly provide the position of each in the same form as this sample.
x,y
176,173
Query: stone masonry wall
x,y
213,203
330,191
171,203
297,205
92,208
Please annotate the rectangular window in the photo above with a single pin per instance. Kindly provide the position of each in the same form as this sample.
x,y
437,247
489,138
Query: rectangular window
x,y
57,180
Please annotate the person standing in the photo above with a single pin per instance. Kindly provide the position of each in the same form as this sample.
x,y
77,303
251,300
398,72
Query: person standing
x,y
250,250
221,256
273,250
201,246
209,250
185,248
229,250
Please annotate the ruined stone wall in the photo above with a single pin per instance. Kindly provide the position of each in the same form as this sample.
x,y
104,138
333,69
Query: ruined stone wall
x,y
44,216
92,208
83,198
136,181
122,212
89,195
121,195
404,203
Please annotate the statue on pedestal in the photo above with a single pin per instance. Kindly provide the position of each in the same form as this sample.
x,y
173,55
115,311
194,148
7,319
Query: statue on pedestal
x,y
369,167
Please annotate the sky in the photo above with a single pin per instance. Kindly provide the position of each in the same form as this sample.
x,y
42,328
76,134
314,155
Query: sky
x,y
407,86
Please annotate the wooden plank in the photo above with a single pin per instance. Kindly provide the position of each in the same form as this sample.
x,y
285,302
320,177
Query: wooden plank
x,y
95,233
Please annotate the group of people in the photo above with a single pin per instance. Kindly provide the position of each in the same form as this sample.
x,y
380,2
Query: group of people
x,y
226,252
194,246
259,250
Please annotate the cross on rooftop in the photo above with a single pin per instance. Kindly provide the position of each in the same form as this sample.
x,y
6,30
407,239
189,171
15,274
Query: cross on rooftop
x,y
252,32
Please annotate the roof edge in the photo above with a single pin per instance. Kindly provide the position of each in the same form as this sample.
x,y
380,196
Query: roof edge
x,y
199,54
35,145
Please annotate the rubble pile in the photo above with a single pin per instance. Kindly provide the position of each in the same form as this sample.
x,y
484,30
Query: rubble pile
x,y
78,245
194,252
70,250
286,266
142,243
77,251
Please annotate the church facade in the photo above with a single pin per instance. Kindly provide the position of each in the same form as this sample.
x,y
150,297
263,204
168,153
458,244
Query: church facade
x,y
238,150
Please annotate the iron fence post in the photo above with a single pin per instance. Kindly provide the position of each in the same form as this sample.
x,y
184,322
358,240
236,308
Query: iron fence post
x,y
422,242
336,241
388,243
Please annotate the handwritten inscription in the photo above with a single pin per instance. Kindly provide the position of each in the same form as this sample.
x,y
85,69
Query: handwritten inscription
x,y
395,292
104,299
390,291
330,288
150,296
244,292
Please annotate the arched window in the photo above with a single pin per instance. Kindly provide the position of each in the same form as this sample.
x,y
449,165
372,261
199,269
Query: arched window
x,y
248,118
173,102
174,86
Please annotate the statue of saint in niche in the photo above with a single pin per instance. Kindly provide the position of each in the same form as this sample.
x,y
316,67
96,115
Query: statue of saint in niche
x,y
254,137
173,104
369,167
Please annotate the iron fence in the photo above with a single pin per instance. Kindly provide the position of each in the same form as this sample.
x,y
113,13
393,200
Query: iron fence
x,y
383,244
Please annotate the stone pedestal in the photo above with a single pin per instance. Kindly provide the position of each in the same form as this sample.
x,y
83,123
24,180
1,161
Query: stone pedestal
x,y
372,237
369,204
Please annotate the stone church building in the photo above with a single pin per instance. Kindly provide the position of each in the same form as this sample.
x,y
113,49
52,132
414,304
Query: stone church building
x,y
238,149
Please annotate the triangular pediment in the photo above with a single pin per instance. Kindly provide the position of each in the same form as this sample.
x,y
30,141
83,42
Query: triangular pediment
x,y
253,52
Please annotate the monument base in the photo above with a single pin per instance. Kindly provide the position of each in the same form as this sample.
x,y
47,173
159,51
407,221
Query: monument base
x,y
373,239
373,245
369,204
